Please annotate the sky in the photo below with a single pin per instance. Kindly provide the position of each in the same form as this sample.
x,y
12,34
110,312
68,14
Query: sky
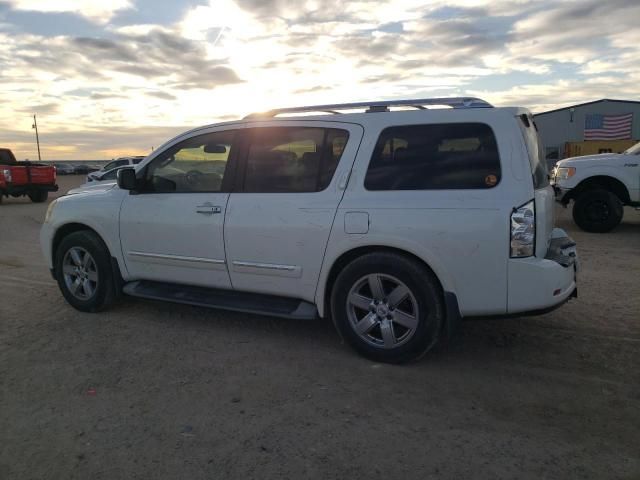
x,y
109,78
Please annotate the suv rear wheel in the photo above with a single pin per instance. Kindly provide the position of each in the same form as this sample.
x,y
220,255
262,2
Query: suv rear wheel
x,y
83,271
597,211
388,307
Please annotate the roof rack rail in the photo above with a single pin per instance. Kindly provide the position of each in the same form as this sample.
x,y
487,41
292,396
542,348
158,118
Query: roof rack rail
x,y
380,106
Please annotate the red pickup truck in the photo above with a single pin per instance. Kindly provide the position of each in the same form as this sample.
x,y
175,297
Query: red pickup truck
x,y
25,178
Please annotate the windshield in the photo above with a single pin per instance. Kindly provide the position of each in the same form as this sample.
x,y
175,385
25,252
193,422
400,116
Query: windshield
x,y
635,150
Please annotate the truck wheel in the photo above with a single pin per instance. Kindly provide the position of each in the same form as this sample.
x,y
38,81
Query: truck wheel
x,y
38,196
83,271
388,307
597,211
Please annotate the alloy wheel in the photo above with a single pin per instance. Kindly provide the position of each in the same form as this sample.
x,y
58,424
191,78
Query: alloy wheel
x,y
382,310
80,273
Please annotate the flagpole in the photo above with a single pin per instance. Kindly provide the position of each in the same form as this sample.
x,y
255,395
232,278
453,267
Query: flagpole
x,y
35,125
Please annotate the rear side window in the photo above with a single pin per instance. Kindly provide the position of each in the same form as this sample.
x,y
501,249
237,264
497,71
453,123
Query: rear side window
x,y
434,157
292,159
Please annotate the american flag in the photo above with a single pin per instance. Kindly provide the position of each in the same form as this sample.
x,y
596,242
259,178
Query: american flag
x,y
608,127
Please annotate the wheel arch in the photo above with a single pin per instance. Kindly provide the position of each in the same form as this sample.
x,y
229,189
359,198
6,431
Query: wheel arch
x,y
66,230
605,182
73,227
326,284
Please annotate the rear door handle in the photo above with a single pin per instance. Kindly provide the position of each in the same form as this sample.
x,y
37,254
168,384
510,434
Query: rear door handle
x,y
208,209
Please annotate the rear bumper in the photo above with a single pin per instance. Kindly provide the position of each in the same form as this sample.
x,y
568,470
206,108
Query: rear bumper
x,y
537,285
30,187
48,188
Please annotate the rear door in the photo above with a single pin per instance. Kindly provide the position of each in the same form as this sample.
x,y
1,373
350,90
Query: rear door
x,y
278,219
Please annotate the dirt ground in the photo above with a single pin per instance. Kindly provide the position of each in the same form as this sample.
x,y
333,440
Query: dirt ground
x,y
161,391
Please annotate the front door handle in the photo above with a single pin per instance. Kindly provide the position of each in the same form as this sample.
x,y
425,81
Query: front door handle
x,y
208,209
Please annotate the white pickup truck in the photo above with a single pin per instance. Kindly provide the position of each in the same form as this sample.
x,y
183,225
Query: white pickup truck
x,y
600,186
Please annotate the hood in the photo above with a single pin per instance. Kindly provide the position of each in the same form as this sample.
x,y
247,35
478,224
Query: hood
x,y
601,157
92,188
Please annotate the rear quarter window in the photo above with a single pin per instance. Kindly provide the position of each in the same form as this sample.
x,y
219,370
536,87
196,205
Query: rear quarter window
x,y
435,157
539,171
6,157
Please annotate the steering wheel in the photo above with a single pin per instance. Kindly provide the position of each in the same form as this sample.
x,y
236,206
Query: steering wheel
x,y
193,177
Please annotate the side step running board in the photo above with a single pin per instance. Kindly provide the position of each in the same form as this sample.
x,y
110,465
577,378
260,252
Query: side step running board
x,y
224,299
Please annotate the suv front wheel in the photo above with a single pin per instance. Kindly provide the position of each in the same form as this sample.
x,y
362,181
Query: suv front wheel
x,y
83,271
388,307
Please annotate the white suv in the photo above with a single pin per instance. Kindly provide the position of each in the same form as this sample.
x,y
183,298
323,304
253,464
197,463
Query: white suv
x,y
395,224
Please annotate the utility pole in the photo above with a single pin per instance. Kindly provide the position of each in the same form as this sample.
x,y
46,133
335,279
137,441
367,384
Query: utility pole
x,y
35,125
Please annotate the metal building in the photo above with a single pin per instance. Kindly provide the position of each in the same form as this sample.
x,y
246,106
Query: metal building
x,y
602,126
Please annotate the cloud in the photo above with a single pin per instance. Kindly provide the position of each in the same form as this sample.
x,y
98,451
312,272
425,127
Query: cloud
x,y
156,56
561,93
105,96
99,11
42,109
161,95
89,144
576,31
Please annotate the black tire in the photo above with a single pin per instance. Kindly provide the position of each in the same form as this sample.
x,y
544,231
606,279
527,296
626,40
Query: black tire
x,y
38,196
394,270
104,294
597,211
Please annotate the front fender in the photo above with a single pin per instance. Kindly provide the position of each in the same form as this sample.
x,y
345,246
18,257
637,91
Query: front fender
x,y
98,212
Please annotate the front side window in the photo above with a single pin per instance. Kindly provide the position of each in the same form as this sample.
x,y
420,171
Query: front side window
x,y
292,159
197,164
434,157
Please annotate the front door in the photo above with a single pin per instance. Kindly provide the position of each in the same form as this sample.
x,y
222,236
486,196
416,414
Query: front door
x,y
171,230
279,217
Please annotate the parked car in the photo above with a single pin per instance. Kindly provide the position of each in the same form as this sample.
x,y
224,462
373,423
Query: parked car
x,y
104,176
119,162
396,224
83,169
600,186
18,179
64,169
